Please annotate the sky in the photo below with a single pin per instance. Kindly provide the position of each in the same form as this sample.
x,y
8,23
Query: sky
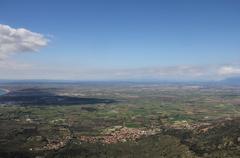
x,y
120,39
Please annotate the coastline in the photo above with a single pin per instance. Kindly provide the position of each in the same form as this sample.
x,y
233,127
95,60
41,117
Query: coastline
x,y
5,91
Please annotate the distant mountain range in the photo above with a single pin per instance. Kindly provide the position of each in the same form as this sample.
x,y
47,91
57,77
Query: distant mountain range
x,y
232,81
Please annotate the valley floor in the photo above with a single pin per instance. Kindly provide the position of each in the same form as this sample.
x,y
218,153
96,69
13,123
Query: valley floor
x,y
126,120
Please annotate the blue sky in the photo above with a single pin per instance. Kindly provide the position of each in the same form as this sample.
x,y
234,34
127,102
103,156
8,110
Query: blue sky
x,y
123,39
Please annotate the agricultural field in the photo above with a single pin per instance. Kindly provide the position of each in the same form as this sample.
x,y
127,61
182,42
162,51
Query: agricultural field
x,y
54,120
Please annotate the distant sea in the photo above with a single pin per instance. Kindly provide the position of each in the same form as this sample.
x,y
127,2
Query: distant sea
x,y
2,91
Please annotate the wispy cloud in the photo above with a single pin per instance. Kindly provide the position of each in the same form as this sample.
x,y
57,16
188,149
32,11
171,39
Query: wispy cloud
x,y
168,72
181,72
8,65
19,40
229,70
178,72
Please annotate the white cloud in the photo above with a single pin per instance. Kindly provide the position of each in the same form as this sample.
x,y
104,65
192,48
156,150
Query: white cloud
x,y
229,71
19,40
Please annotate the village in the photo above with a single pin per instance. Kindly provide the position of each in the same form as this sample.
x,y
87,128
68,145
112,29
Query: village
x,y
118,134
